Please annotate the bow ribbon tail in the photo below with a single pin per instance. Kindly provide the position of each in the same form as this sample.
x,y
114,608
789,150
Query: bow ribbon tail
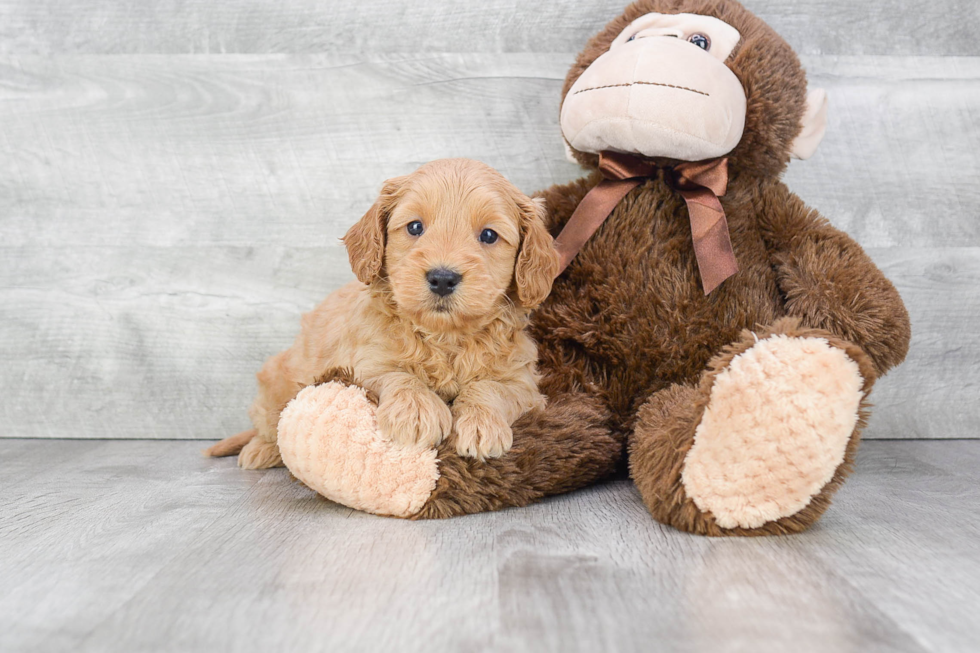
x,y
712,242
589,215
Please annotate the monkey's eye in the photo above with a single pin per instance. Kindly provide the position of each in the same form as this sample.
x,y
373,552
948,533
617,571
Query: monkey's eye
x,y
701,41
415,228
488,236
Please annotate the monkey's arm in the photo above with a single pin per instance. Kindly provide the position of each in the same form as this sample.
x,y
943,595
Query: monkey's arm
x,y
561,200
829,282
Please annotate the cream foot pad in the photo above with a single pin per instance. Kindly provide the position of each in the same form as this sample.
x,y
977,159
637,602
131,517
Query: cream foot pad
x,y
329,440
775,430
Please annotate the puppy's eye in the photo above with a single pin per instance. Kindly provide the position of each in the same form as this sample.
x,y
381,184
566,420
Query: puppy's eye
x,y
488,236
415,228
701,41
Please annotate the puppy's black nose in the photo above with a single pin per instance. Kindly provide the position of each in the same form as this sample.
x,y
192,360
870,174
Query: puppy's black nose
x,y
443,281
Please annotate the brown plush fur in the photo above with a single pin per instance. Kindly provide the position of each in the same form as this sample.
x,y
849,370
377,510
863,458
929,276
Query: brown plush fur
x,y
628,333
558,449
664,434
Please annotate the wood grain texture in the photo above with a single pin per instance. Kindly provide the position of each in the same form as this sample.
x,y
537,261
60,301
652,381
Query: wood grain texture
x,y
165,219
134,507
898,166
941,27
123,546
936,392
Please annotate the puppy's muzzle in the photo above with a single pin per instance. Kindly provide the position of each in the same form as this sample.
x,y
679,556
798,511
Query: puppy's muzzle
x,y
443,281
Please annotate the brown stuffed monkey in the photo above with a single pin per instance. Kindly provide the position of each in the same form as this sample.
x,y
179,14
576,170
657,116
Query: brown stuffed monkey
x,y
711,330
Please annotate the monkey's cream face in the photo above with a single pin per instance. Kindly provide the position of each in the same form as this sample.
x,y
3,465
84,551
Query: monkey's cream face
x,y
661,90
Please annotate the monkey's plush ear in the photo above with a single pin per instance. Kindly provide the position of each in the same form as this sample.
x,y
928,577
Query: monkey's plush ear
x,y
365,241
537,261
569,154
814,125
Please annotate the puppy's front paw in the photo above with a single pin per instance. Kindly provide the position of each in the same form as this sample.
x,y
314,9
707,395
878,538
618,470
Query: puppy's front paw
x,y
414,417
482,433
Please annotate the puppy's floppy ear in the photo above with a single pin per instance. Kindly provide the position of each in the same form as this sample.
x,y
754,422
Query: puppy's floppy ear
x,y
365,241
537,260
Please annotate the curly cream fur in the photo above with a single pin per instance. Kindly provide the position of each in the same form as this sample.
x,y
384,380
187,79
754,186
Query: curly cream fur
x,y
418,351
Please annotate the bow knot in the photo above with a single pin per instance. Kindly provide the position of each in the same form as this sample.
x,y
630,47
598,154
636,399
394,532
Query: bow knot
x,y
700,184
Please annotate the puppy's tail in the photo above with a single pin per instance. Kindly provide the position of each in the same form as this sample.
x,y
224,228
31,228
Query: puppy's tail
x,y
230,446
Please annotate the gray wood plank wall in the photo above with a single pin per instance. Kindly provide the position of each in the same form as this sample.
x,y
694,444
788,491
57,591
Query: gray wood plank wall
x,y
174,178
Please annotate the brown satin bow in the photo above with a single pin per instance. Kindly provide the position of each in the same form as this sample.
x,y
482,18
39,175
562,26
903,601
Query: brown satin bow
x,y
700,184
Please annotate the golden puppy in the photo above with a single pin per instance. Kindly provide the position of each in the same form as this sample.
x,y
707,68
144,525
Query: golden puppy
x,y
449,262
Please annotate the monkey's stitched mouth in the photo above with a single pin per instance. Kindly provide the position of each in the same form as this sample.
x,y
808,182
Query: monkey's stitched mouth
x,y
680,88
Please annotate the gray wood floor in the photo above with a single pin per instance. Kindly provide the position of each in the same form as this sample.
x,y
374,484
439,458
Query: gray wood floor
x,y
139,546
174,177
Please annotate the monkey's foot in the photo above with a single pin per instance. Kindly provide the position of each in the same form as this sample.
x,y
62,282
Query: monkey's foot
x,y
330,441
775,430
